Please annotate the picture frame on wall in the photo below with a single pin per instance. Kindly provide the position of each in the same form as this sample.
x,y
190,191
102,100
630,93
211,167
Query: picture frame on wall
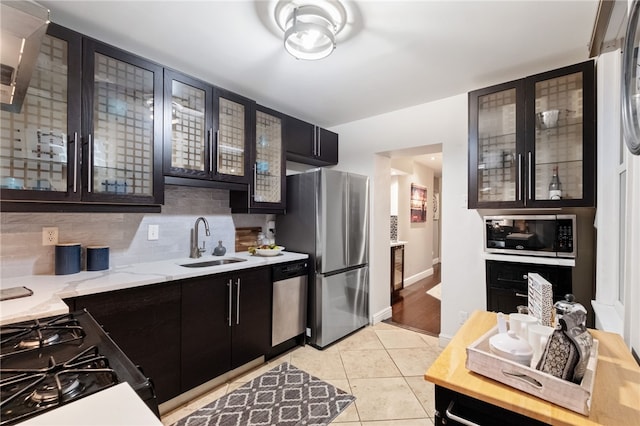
x,y
418,203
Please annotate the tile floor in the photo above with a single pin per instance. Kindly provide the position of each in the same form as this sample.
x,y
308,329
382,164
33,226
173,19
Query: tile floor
x,y
382,365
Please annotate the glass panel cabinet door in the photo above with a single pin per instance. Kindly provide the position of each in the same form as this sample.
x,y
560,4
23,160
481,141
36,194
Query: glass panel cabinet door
x,y
495,153
558,140
231,138
122,148
234,131
126,93
39,143
188,134
268,166
561,161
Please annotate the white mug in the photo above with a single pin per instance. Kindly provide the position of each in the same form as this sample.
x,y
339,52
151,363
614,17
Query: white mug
x,y
538,337
520,323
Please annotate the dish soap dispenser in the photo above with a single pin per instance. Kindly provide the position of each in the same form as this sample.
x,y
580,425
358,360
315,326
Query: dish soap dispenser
x,y
220,250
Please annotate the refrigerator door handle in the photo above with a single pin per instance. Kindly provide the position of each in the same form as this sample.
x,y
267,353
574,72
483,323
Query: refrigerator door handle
x,y
346,223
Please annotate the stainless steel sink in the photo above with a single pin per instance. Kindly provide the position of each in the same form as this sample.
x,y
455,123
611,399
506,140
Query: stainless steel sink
x,y
215,262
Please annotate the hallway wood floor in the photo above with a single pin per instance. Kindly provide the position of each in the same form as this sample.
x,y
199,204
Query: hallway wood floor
x,y
417,310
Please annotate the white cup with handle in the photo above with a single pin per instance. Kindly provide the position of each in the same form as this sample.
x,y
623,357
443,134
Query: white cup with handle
x,y
538,337
520,324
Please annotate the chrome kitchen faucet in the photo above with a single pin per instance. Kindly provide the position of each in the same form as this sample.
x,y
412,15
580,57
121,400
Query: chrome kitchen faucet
x,y
196,252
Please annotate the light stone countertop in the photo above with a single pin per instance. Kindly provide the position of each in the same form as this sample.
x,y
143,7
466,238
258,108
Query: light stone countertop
x,y
396,243
49,290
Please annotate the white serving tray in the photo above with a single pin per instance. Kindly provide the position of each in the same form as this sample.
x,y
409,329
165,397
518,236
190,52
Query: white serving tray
x,y
545,386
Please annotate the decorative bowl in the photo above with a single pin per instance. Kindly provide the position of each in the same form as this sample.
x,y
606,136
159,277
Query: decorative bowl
x,y
269,251
547,119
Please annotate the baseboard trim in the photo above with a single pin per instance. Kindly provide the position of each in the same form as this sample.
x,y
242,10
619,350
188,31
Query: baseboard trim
x,y
417,277
443,340
435,261
382,315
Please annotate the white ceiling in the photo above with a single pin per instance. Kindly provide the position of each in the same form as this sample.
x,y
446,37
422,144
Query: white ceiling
x,y
394,54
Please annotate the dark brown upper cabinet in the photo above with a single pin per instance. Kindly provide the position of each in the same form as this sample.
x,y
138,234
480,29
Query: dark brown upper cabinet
x,y
207,134
267,188
310,144
86,137
523,132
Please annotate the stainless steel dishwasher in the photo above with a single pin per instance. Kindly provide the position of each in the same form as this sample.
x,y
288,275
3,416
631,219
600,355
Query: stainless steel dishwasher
x,y
289,304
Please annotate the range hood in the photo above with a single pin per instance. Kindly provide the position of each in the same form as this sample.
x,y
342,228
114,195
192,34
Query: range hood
x,y
23,24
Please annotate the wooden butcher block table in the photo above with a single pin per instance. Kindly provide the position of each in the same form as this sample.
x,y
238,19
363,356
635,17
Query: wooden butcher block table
x,y
616,392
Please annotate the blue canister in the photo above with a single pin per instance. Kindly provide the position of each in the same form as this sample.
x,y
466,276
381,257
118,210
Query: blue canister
x,y
97,258
68,258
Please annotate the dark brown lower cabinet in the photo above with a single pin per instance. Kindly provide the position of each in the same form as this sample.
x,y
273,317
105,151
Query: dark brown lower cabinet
x,y
454,408
226,322
507,286
184,333
205,330
251,319
145,323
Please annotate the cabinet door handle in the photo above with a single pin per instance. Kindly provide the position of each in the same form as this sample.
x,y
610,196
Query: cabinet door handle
x,y
315,140
75,162
229,286
211,149
319,143
456,418
89,165
255,180
520,177
521,295
238,302
529,171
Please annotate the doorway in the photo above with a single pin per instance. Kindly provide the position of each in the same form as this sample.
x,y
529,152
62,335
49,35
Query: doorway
x,y
417,304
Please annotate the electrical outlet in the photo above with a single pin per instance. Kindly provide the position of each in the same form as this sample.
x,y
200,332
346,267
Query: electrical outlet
x,y
152,232
462,316
49,236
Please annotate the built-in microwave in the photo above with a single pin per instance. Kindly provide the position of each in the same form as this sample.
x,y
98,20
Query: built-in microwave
x,y
532,235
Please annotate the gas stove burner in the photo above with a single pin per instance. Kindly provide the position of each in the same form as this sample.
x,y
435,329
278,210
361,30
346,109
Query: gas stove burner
x,y
50,392
36,334
34,342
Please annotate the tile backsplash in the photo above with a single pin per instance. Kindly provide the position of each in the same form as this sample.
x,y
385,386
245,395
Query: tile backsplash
x,y
394,228
22,252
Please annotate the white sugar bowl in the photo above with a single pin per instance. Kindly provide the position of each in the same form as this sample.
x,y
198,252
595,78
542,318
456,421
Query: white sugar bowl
x,y
512,347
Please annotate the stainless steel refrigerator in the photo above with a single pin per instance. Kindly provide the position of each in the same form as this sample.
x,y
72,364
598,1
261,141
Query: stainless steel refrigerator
x,y
327,216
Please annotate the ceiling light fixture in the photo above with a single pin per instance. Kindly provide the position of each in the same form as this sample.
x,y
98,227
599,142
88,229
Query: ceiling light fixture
x,y
310,28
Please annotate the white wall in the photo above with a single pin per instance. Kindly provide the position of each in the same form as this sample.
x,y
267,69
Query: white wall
x,y
611,315
437,188
393,196
442,122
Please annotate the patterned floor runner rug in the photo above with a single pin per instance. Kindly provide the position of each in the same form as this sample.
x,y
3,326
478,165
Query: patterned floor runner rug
x,y
283,396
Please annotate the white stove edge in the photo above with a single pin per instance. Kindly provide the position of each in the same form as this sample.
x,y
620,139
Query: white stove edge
x,y
118,405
